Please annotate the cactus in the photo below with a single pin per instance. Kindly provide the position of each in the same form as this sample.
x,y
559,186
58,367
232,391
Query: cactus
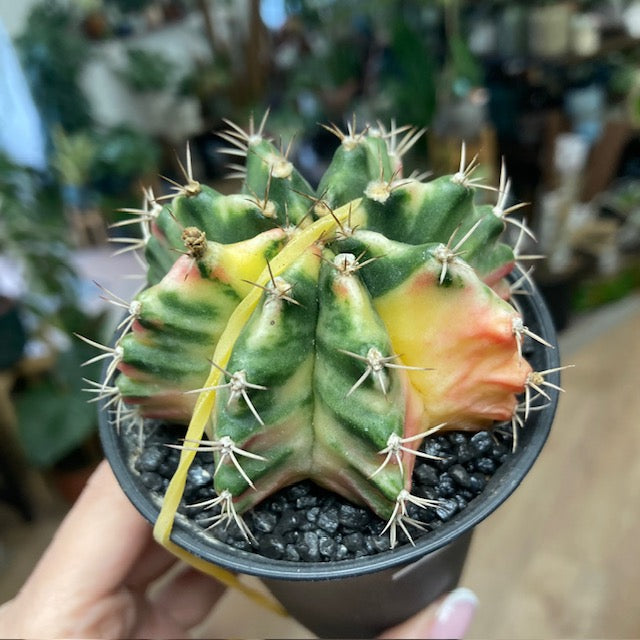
x,y
330,329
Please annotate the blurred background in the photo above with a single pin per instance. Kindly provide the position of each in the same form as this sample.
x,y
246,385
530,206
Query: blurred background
x,y
100,97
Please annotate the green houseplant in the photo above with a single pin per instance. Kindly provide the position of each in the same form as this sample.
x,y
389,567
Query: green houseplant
x,y
56,428
72,159
124,157
147,71
323,334
53,53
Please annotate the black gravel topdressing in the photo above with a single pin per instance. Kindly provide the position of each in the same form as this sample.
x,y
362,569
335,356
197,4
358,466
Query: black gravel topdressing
x,y
304,522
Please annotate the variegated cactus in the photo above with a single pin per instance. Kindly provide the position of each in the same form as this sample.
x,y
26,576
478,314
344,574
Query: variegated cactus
x,y
335,328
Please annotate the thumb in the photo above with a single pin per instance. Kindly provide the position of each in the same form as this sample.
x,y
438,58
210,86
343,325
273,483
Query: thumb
x,y
448,617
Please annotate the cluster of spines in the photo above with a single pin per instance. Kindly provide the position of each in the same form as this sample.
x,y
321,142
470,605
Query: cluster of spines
x,y
380,189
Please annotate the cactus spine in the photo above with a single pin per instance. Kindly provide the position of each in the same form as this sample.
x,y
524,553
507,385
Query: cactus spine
x,y
372,320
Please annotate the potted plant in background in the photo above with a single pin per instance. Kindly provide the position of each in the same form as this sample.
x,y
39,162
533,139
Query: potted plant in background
x,y
325,388
73,158
147,71
152,78
124,158
462,104
53,53
16,184
13,339
56,429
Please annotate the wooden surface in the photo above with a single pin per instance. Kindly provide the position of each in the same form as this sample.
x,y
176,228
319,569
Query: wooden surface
x,y
561,558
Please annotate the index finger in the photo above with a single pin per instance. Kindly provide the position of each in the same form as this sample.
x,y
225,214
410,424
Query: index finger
x,y
95,548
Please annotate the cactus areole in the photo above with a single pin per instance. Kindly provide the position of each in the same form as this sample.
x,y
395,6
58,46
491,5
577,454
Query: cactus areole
x,y
322,334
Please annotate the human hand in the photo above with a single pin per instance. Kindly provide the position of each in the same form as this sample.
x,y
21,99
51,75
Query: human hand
x,y
95,581
448,617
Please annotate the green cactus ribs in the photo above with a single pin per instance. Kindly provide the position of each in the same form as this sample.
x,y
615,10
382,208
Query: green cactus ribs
x,y
322,334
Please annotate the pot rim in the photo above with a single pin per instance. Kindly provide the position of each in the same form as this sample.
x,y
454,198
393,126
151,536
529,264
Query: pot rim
x,y
500,486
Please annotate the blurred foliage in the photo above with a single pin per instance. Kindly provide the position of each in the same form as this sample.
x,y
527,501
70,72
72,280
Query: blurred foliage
x,y
107,161
73,156
147,70
594,292
123,155
412,85
34,238
32,233
209,81
53,415
129,6
53,53
465,66
16,185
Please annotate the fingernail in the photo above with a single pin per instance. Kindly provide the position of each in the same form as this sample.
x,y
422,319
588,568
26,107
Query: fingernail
x,y
454,615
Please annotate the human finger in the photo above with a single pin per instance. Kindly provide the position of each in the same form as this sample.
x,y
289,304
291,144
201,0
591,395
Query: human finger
x,y
188,597
153,563
448,617
94,548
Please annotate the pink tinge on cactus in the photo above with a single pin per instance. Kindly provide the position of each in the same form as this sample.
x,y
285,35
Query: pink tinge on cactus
x,y
414,423
466,336
496,280
167,406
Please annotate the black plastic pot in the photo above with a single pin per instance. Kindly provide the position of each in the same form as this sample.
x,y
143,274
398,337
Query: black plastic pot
x,y
361,597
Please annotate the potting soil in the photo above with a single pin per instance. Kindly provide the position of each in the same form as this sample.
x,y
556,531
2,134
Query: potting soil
x,y
306,523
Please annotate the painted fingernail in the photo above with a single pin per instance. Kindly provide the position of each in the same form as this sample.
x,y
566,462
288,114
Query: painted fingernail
x,y
454,615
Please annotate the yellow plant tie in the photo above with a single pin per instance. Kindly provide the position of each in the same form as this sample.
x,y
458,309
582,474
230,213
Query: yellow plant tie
x,y
227,578
204,405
